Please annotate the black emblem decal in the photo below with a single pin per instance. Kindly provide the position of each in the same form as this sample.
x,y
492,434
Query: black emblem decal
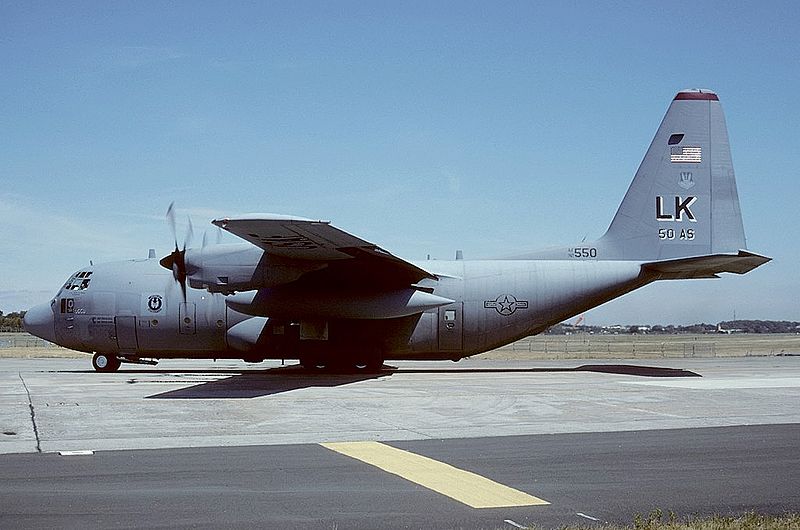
x,y
506,304
154,303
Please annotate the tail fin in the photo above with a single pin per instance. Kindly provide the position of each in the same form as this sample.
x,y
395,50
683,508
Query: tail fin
x,y
683,200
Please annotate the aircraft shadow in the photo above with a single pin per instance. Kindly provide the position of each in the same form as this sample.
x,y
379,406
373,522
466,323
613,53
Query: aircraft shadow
x,y
641,371
619,369
259,383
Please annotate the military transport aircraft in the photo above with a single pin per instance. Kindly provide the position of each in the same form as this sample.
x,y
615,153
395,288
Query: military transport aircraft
x,y
304,289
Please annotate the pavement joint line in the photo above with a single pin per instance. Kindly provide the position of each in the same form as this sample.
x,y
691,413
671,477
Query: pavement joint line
x,y
463,486
33,414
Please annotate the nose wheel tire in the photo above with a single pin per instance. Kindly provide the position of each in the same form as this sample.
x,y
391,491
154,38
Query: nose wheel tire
x,y
104,362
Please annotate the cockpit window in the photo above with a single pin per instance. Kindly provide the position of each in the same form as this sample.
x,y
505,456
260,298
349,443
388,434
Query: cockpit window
x,y
78,281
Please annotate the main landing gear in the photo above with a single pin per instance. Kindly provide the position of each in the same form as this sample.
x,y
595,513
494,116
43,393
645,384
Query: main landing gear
x,y
364,363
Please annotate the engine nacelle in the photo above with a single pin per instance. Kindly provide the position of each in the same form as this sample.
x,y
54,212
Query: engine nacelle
x,y
241,267
289,302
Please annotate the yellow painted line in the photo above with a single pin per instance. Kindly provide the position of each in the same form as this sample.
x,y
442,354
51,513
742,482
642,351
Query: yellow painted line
x,y
466,487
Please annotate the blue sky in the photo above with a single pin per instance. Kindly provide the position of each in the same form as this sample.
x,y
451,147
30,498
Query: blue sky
x,y
491,127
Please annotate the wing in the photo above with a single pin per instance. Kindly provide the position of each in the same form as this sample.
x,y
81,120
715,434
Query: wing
x,y
350,259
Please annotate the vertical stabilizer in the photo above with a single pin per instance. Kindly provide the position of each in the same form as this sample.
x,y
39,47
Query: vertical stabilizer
x,y
683,200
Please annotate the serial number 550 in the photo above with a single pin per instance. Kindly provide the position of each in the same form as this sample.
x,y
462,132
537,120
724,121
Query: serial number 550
x,y
582,252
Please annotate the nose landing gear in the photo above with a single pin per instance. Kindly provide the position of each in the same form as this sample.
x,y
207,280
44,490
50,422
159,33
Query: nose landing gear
x,y
104,362
107,362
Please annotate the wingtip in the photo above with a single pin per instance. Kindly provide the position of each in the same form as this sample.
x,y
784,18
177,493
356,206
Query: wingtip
x,y
265,217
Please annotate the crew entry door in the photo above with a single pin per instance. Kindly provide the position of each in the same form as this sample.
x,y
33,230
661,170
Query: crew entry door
x,y
126,334
451,329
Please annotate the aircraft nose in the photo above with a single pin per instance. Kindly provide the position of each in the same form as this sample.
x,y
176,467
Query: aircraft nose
x,y
39,321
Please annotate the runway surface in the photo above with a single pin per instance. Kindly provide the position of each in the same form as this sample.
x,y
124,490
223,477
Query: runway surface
x,y
229,444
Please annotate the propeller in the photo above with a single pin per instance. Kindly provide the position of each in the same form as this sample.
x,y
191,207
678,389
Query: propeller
x,y
176,261
217,238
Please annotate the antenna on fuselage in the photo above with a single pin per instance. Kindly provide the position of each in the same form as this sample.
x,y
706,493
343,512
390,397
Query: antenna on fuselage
x,y
151,254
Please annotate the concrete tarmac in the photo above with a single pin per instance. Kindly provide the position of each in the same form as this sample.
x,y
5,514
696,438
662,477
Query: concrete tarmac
x,y
606,439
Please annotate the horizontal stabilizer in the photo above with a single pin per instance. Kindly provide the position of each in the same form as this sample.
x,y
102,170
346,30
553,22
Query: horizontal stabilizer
x,y
706,266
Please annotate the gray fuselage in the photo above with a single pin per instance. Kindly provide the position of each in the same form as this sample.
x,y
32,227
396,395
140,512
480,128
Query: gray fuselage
x,y
134,308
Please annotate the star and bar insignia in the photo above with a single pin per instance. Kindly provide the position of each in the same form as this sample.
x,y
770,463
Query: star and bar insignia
x,y
506,304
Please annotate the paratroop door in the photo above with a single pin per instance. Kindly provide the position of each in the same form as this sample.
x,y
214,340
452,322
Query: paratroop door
x,y
451,329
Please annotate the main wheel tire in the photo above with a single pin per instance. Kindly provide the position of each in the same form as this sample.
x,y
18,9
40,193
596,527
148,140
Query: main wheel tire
x,y
370,362
104,362
375,364
313,362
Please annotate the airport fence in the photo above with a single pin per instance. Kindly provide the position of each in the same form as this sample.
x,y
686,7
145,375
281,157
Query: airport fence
x,y
23,340
588,346
583,346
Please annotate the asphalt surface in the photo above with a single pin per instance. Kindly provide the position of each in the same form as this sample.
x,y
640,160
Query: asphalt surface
x,y
209,445
607,476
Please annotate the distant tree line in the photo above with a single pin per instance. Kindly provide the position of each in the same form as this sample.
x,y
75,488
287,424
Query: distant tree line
x,y
726,326
11,321
761,326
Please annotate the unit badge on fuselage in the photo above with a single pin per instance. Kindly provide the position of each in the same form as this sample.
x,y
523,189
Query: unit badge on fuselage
x,y
506,304
154,303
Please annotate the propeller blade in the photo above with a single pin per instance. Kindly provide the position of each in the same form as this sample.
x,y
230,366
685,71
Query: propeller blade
x,y
189,233
183,289
176,260
171,222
